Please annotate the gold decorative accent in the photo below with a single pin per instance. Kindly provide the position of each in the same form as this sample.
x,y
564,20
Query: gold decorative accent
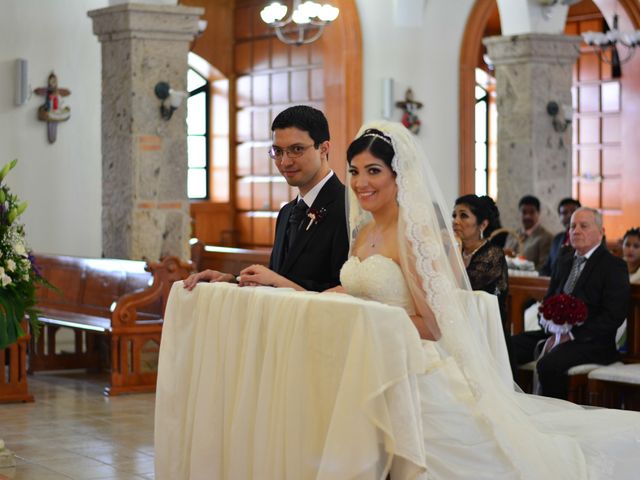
x,y
513,233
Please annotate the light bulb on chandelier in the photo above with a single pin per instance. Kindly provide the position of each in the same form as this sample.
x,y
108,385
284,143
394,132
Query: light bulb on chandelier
x,y
305,24
609,40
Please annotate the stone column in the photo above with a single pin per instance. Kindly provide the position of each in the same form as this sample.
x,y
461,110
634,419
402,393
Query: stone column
x,y
533,158
145,209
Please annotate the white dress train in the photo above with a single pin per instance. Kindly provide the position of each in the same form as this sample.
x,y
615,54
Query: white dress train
x,y
459,444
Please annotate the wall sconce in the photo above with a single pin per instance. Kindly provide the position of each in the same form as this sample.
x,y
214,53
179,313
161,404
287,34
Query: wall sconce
x,y
560,124
168,96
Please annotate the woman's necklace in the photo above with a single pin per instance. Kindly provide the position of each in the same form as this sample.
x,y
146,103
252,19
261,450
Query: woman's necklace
x,y
374,238
467,256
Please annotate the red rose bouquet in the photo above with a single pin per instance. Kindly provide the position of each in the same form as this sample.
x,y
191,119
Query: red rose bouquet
x,y
559,314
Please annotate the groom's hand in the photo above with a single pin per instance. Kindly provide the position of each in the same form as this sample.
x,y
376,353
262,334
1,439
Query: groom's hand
x,y
257,275
207,276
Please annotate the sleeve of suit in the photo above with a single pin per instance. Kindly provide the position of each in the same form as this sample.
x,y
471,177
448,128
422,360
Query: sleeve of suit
x,y
614,302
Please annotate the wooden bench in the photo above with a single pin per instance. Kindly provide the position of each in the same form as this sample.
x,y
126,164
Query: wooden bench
x,y
13,370
623,388
114,309
523,291
226,259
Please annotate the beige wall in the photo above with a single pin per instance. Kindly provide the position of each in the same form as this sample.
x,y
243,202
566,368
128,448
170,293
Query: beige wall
x,y
426,59
61,181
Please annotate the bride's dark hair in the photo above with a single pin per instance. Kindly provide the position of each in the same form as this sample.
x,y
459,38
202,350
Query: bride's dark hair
x,y
374,142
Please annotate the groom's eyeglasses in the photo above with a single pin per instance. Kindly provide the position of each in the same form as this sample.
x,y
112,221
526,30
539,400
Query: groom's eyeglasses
x,y
292,151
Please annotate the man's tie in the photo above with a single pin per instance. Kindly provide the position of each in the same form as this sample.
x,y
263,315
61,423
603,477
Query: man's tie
x,y
298,214
570,284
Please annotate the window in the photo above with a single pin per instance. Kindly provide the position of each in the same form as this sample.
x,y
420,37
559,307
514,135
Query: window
x,y
485,140
207,132
197,135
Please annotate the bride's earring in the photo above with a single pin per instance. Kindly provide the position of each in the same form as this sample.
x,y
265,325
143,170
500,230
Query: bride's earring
x,y
481,234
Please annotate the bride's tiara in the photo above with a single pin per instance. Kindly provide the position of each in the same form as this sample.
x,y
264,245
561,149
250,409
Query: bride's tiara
x,y
377,135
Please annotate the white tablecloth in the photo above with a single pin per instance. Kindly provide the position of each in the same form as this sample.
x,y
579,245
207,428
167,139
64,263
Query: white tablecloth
x,y
266,383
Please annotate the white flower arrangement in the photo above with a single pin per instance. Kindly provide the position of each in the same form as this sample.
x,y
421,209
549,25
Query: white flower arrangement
x,y
18,274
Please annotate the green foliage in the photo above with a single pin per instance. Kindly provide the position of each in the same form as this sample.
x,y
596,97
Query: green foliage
x,y
19,276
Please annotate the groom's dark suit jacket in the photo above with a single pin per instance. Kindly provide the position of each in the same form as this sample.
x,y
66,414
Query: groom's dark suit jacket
x,y
315,259
603,286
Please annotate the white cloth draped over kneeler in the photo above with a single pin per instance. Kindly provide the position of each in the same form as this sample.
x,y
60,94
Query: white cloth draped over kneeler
x,y
264,383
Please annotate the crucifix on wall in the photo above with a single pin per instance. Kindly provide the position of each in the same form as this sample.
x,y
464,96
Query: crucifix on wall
x,y
410,115
53,111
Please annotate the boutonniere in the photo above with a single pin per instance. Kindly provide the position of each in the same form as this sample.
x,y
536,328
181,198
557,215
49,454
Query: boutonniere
x,y
315,216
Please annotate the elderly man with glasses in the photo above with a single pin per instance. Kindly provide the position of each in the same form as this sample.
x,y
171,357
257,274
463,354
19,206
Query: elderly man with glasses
x,y
311,240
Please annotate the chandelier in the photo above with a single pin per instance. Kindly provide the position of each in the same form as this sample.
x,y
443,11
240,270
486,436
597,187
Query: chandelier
x,y
609,40
304,25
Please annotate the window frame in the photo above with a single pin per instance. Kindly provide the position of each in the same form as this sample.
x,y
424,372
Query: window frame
x,y
206,88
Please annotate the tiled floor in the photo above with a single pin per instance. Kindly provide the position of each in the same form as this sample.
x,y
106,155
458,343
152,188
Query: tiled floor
x,y
74,432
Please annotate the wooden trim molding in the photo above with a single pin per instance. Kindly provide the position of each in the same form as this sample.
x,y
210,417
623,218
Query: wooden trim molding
x,y
469,54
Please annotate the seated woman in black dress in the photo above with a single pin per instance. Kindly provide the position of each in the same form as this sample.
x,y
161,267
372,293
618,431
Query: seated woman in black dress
x,y
474,218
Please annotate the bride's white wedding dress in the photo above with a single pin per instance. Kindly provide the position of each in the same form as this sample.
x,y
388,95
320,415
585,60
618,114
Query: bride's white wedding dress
x,y
460,444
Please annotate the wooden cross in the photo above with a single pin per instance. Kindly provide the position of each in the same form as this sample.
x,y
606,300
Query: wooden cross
x,y
52,111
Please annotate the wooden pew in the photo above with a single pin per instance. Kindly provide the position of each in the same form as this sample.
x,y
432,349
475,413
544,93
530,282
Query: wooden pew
x,y
226,259
13,370
120,301
523,291
626,391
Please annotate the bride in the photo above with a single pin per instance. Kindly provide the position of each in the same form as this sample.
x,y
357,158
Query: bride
x,y
475,426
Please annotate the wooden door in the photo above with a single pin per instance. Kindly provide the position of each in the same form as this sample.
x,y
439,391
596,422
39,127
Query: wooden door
x,y
605,171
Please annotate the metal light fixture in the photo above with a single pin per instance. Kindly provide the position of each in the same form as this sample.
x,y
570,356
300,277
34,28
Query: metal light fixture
x,y
168,96
608,40
548,6
305,24
561,119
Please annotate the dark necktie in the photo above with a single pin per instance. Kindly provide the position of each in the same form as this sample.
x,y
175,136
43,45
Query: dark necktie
x,y
570,284
296,218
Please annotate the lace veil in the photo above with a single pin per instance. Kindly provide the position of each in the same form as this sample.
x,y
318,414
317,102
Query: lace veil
x,y
437,278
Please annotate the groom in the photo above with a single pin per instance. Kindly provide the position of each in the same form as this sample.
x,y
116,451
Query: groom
x,y
311,240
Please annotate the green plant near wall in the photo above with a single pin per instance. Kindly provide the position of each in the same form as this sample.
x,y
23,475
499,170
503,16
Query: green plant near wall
x,y
19,276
